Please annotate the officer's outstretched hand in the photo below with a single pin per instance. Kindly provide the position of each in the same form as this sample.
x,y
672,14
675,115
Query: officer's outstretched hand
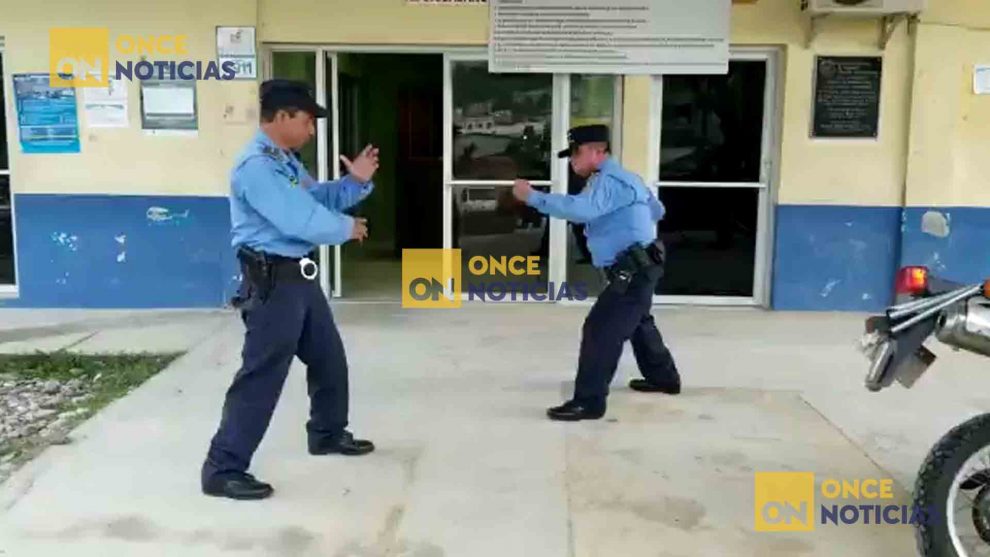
x,y
360,230
363,166
521,189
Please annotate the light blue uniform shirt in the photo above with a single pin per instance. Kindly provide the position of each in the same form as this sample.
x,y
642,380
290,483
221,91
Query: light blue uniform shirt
x,y
617,208
276,206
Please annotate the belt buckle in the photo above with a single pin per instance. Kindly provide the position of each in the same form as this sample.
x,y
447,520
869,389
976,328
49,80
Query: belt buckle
x,y
307,263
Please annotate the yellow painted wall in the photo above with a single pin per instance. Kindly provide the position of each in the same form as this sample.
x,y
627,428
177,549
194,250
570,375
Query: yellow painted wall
x,y
851,172
371,22
125,161
817,171
950,135
947,144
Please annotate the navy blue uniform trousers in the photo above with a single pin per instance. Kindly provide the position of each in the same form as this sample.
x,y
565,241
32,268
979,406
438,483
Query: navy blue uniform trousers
x,y
294,320
615,318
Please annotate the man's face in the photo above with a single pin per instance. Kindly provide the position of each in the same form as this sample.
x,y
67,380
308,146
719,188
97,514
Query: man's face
x,y
586,158
296,130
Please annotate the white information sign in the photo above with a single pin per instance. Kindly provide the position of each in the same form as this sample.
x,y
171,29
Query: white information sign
x,y
237,45
613,37
981,80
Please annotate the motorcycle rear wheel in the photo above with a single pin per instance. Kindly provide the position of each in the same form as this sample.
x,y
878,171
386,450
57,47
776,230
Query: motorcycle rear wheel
x,y
956,457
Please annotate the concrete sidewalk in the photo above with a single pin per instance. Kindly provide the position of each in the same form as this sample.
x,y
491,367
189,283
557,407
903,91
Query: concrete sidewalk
x,y
467,463
23,331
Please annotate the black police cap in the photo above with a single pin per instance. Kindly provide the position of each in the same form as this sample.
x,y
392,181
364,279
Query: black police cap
x,y
285,93
580,135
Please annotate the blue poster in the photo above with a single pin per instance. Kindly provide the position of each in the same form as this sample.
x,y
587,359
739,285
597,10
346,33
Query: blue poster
x,y
47,116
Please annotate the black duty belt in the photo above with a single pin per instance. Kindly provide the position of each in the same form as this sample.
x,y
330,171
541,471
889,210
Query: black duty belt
x,y
262,271
266,268
631,262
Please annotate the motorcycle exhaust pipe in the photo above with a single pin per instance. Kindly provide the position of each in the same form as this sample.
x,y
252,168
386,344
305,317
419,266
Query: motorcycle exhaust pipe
x,y
957,296
903,310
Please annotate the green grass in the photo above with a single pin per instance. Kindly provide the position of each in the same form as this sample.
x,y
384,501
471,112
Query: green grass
x,y
117,375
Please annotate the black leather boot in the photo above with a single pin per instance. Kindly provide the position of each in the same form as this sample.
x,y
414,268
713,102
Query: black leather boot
x,y
572,411
345,445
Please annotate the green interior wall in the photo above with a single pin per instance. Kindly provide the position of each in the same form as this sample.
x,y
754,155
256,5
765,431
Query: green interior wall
x,y
380,78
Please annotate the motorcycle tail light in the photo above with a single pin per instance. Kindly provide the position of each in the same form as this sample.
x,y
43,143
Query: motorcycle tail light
x,y
912,280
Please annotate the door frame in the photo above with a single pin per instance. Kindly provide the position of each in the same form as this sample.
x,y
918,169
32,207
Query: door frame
x,y
557,257
767,184
560,110
8,117
326,55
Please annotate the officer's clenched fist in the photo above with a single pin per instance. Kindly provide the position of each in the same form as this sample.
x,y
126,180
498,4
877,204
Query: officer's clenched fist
x,y
360,230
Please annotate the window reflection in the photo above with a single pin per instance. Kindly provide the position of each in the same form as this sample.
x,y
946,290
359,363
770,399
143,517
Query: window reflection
x,y
710,235
713,125
4,163
300,66
6,231
489,223
502,124
593,100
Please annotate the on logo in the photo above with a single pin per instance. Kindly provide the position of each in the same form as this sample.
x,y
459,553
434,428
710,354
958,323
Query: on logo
x,y
79,57
785,513
431,278
783,501
423,289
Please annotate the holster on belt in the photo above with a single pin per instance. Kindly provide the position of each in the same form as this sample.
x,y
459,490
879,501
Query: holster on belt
x,y
258,277
632,261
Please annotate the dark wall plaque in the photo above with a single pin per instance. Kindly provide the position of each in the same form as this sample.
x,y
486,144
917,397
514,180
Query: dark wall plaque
x,y
847,96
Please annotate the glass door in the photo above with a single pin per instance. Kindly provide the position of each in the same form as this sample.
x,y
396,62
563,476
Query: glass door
x,y
8,268
594,99
714,165
318,70
499,127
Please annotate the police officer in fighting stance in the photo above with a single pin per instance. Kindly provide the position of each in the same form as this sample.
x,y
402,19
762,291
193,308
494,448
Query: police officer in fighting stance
x,y
620,215
279,215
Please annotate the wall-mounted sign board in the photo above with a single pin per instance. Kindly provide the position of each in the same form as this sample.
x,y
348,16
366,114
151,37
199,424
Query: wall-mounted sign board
x,y
614,37
846,101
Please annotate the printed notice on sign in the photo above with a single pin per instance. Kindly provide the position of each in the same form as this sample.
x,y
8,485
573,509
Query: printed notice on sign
x,y
614,37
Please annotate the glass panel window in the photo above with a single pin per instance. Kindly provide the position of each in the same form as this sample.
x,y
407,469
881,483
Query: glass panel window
x,y
713,125
6,233
502,124
7,274
300,66
710,235
592,102
4,161
487,224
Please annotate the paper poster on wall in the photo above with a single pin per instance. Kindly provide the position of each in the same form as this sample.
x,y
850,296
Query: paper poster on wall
x,y
47,116
614,37
981,79
236,45
106,107
169,107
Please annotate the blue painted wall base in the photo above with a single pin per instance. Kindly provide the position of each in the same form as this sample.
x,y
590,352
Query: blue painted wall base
x,y
953,242
835,257
109,251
